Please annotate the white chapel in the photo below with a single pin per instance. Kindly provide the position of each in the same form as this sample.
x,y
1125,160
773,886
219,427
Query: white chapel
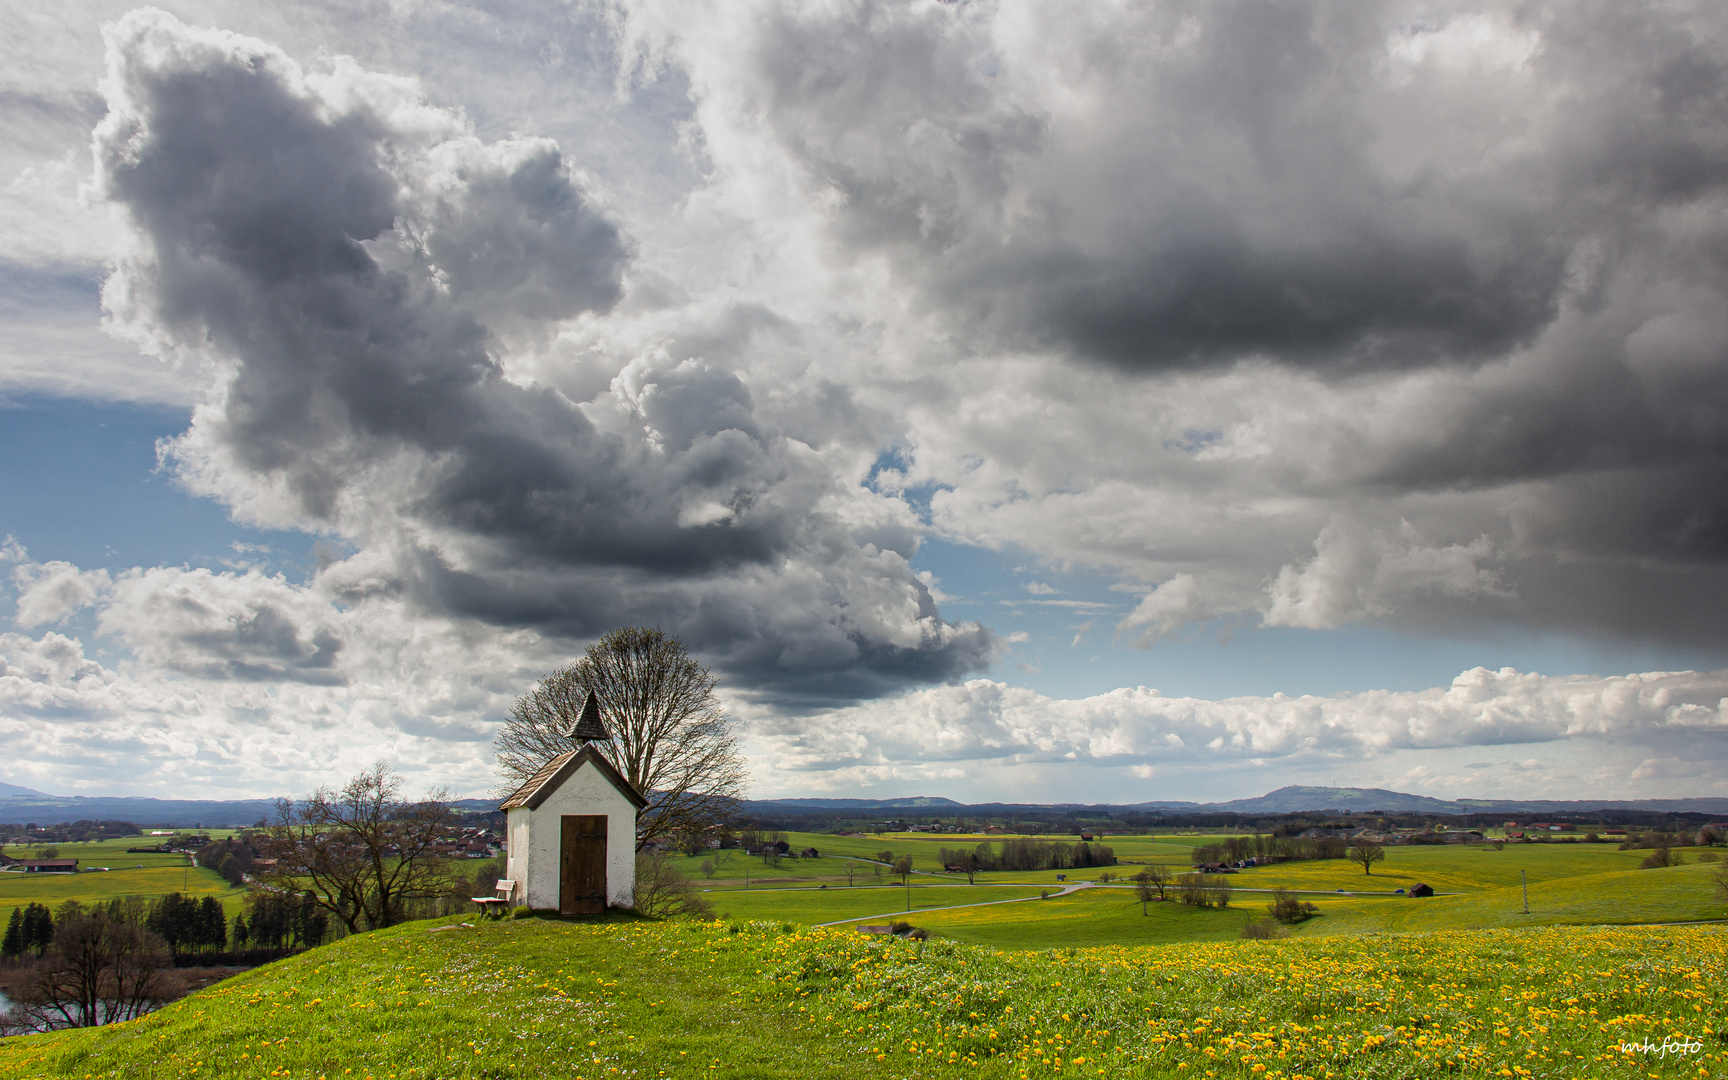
x,y
572,829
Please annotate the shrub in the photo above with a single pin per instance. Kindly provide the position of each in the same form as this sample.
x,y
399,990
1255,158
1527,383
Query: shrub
x,y
1661,857
1264,931
1288,910
1203,890
662,891
1191,889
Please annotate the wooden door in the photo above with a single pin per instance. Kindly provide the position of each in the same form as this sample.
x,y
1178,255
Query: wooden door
x,y
582,865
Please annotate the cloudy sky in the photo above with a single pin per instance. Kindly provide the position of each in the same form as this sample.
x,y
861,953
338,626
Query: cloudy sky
x,y
1009,401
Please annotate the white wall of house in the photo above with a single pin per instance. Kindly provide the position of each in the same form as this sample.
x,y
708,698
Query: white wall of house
x,y
535,836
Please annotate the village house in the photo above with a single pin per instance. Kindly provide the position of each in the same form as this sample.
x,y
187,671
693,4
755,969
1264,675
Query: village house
x,y
571,829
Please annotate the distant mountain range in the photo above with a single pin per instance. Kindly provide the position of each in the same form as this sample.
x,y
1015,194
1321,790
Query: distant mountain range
x,y
21,805
1292,800
1287,800
917,802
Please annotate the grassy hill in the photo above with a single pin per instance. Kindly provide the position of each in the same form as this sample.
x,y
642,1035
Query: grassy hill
x,y
532,998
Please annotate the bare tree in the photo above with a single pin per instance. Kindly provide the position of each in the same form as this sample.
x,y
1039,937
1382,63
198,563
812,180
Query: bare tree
x,y
1365,853
903,867
851,872
364,849
1157,876
970,864
100,970
670,738
1218,891
1191,889
661,890
1151,883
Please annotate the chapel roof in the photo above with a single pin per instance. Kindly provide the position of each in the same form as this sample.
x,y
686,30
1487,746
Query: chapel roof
x,y
552,775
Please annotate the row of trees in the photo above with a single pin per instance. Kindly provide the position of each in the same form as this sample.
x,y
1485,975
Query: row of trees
x,y
185,925
1269,846
1021,854
1363,852
232,858
90,965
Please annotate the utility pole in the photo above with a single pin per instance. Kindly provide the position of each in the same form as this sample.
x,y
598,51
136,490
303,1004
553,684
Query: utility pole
x,y
1525,880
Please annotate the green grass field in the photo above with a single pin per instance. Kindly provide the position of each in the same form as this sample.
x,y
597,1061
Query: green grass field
x,y
1570,884
1091,917
831,905
146,874
533,998
1625,897
1449,868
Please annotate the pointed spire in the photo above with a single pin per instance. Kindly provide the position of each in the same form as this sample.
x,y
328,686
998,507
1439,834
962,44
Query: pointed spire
x,y
588,727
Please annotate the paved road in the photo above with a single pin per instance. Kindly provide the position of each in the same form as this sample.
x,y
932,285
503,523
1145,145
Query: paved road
x,y
1073,886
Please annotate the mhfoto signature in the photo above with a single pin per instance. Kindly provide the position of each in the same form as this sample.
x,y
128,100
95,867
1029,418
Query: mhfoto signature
x,y
1668,1045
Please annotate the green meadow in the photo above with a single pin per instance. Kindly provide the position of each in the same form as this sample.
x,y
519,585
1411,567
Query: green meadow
x,y
1569,884
144,874
1017,980
1624,897
1479,886
631,998
832,905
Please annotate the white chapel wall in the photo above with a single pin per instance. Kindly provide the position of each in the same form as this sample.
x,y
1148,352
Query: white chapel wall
x,y
540,833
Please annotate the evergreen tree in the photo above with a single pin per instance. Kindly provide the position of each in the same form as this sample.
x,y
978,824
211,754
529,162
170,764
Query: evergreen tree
x,y
12,946
38,928
270,920
175,919
310,922
212,924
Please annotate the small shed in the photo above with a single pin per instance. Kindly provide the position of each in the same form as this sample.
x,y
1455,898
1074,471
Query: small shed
x,y
1420,889
572,829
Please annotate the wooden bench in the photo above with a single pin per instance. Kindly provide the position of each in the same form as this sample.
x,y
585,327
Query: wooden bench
x,y
496,904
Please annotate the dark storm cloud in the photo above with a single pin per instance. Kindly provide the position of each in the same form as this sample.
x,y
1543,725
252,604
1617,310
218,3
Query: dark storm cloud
x,y
1246,177
356,255
1517,208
